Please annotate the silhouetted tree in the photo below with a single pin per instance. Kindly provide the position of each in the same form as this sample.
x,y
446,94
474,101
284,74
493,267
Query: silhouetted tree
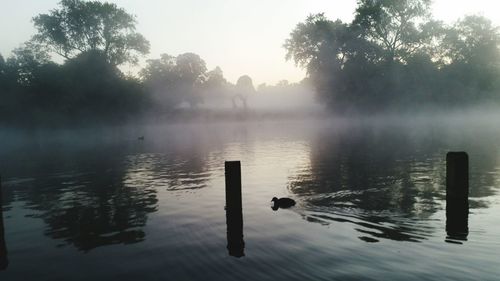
x,y
472,40
215,79
393,24
96,86
81,26
317,43
394,56
2,66
243,88
216,89
335,56
3,74
173,80
159,77
244,85
191,71
26,60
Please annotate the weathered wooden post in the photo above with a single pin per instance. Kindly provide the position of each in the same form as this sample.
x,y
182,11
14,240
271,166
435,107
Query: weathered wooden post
x,y
234,209
4,262
457,195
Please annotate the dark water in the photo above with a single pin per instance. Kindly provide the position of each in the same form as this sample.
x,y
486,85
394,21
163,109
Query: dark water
x,y
370,203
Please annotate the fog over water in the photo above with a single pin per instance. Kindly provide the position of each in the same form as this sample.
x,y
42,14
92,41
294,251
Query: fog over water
x,y
114,175
366,189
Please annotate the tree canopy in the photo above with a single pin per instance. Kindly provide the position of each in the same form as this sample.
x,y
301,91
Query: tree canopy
x,y
393,24
80,26
174,80
393,55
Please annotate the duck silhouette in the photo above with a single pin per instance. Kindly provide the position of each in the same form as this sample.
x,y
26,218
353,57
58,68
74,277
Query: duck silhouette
x,y
282,203
141,138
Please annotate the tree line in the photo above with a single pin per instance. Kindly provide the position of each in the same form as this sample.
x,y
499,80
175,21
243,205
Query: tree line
x,y
395,56
392,56
94,39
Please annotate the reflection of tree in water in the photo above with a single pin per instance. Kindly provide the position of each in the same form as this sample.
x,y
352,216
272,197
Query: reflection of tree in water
x,y
387,183
89,205
95,195
172,172
100,212
184,166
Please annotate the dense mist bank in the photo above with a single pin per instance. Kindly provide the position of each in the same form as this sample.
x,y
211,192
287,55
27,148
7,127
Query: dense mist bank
x,y
87,91
206,121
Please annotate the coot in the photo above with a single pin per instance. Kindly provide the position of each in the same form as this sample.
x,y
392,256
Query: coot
x,y
282,203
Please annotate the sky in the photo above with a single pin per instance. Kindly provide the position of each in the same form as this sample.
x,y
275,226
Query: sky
x,y
242,37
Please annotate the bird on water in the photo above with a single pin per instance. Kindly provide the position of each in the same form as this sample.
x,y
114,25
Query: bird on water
x,y
282,203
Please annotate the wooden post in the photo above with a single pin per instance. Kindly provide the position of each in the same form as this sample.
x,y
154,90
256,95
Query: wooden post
x,y
234,209
457,195
4,262
457,176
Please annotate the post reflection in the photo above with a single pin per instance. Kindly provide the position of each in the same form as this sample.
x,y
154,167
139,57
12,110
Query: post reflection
x,y
457,196
235,242
457,220
387,192
384,193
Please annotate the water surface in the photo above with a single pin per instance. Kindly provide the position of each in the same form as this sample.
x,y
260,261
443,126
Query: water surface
x,y
102,205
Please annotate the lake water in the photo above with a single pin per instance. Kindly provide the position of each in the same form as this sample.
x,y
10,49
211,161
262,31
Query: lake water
x,y
102,205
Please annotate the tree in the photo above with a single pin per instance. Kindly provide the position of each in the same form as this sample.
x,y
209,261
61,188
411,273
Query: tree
x,y
2,65
159,70
191,71
317,42
160,78
79,26
471,54
95,90
393,24
3,73
244,85
215,79
472,40
215,89
174,80
335,55
283,83
26,60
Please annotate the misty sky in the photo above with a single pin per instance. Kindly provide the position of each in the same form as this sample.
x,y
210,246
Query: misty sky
x,y
242,37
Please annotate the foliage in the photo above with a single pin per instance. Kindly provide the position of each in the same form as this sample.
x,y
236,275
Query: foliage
x,y
394,56
83,91
174,80
244,85
215,79
80,26
393,24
